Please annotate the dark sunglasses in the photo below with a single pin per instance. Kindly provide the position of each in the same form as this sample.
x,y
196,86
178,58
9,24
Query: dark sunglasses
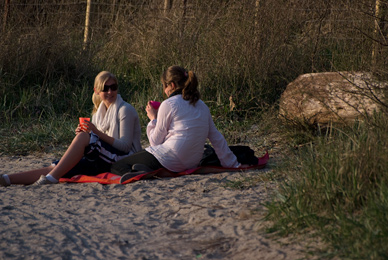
x,y
112,87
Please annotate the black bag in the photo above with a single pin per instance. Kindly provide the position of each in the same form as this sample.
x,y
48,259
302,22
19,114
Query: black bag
x,y
244,154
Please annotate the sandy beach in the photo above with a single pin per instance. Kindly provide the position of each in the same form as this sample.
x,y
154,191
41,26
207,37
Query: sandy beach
x,y
189,217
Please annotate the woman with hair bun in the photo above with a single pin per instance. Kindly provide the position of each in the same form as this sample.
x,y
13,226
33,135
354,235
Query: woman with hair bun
x,y
178,130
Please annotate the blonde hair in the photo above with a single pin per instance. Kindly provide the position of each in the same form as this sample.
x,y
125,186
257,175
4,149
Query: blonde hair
x,y
183,80
99,83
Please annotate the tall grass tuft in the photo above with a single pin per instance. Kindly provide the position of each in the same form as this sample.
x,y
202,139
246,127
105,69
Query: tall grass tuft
x,y
339,189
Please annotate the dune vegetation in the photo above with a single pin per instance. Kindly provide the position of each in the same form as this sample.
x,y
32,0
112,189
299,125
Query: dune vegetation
x,y
244,52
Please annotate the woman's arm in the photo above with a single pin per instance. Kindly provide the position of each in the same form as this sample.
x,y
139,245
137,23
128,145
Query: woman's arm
x,y
104,137
157,129
128,120
226,156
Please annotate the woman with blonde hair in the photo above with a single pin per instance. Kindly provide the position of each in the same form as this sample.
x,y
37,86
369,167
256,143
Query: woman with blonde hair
x,y
177,130
113,134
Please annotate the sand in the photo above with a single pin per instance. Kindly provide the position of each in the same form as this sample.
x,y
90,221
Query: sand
x,y
189,217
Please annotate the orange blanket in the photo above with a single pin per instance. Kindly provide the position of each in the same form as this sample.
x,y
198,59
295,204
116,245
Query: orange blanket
x,y
110,178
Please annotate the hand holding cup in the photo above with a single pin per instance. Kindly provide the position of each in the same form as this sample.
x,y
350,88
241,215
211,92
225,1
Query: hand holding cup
x,y
155,104
82,121
152,109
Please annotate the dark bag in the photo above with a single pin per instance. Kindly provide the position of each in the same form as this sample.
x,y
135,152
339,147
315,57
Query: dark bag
x,y
244,154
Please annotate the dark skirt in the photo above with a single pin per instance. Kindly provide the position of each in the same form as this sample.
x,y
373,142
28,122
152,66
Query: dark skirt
x,y
98,158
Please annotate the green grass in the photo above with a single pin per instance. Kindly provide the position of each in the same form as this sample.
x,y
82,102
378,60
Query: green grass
x,y
337,186
37,135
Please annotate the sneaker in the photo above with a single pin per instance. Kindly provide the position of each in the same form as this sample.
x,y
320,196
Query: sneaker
x,y
43,180
3,182
141,168
130,175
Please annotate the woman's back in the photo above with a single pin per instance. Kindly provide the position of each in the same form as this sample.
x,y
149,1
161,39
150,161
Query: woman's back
x,y
178,137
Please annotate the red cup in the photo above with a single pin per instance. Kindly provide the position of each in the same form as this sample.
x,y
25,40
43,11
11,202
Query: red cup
x,y
82,120
155,104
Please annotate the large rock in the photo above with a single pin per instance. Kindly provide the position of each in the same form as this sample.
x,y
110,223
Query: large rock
x,y
331,96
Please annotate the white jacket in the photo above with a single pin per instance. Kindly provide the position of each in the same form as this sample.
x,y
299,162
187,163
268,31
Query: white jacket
x,y
178,135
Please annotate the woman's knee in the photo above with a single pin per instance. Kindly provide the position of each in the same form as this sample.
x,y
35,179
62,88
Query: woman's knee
x,y
83,138
120,167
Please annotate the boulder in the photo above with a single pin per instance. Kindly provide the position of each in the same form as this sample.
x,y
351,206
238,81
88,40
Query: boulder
x,y
332,97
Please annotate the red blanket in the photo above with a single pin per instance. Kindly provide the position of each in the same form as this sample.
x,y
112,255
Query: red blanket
x,y
110,178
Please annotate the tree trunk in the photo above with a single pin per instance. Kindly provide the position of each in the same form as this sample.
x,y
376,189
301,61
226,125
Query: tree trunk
x,y
87,25
5,15
167,6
